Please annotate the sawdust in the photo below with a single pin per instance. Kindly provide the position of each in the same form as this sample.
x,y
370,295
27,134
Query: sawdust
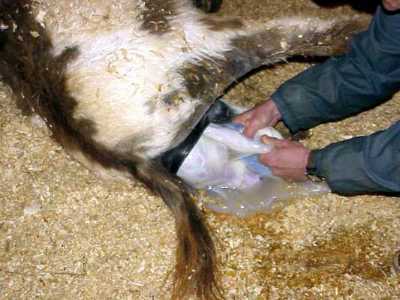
x,y
66,234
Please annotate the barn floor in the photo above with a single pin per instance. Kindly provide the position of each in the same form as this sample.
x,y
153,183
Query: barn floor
x,y
66,234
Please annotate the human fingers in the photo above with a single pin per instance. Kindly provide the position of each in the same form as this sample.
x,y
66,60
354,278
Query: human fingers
x,y
285,154
243,117
279,168
271,158
251,128
273,141
267,160
248,120
262,115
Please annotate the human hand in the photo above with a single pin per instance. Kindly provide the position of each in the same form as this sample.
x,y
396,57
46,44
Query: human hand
x,y
262,115
287,159
391,5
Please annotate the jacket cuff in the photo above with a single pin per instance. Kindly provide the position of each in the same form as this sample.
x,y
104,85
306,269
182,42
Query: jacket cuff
x,y
285,109
312,164
342,165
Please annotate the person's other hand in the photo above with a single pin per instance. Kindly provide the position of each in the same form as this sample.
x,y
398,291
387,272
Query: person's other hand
x,y
262,115
287,159
391,5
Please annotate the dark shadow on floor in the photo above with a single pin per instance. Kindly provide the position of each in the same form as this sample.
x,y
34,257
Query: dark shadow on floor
x,y
360,5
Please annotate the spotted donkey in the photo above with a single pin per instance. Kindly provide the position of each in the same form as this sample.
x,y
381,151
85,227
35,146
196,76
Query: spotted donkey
x,y
121,83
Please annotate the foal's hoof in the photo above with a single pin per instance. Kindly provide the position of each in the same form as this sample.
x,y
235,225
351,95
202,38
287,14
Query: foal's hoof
x,y
208,5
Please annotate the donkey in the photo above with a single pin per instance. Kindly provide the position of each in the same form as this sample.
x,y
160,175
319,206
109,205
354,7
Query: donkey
x,y
121,84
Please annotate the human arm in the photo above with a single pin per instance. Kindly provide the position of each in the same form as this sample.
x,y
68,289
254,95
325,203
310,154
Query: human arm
x,y
366,76
366,164
360,165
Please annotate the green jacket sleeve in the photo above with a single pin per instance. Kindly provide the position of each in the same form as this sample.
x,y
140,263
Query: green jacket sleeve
x,y
368,75
342,86
368,164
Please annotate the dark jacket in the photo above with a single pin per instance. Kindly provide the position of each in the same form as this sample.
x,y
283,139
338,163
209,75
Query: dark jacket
x,y
366,76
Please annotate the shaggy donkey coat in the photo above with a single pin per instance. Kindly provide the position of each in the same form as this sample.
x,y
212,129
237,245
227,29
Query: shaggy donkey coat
x,y
119,83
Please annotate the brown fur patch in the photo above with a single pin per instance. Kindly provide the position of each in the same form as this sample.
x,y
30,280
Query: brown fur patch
x,y
207,79
38,79
218,24
155,15
260,47
279,42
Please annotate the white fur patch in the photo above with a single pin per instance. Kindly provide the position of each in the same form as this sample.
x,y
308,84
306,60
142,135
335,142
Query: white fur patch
x,y
123,73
